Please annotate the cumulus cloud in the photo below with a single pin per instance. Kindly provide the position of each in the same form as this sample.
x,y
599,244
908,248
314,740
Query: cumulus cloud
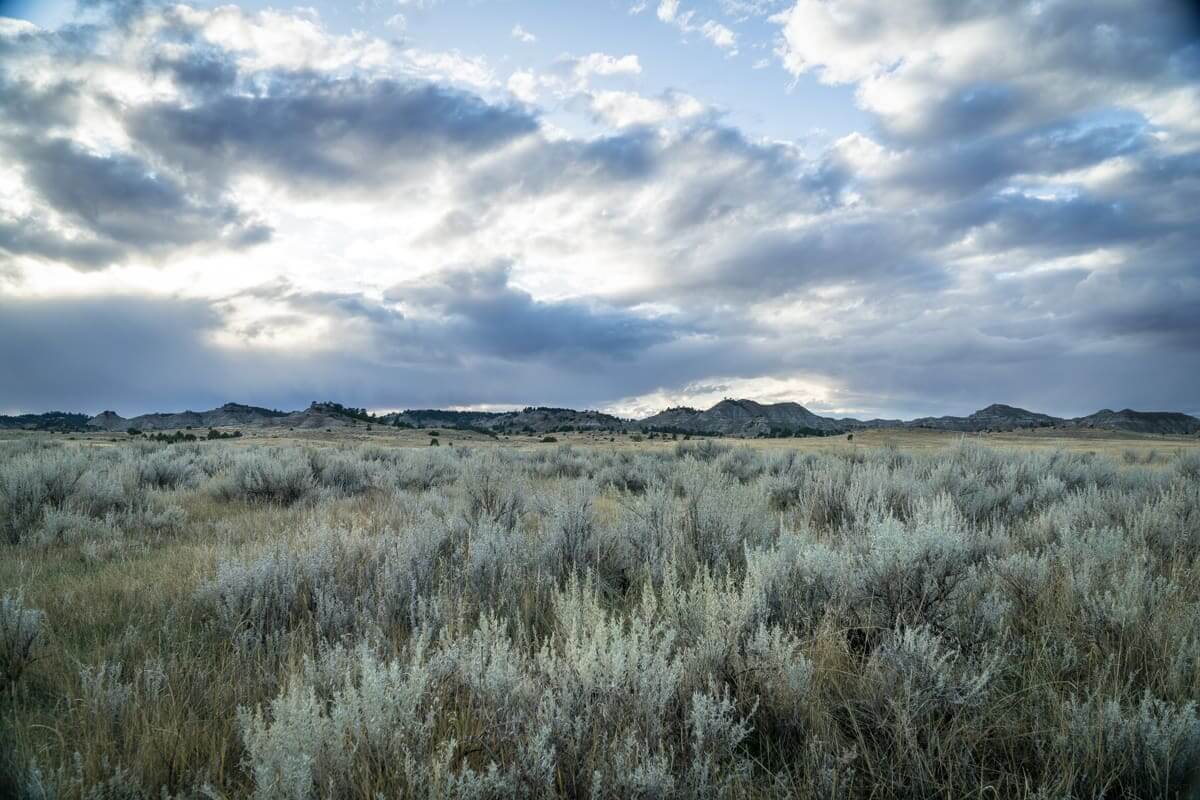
x,y
982,66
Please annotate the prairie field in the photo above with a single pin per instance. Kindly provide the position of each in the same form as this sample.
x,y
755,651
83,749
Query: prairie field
x,y
900,615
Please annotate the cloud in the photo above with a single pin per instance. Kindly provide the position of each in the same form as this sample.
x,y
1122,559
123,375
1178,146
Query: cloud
x,y
624,109
744,9
604,64
719,35
716,33
570,77
991,67
1017,224
522,35
91,208
355,133
470,335
27,236
119,198
480,309
86,354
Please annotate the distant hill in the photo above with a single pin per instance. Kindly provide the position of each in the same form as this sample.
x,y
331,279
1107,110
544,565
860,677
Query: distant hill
x,y
1140,421
730,417
318,415
996,417
50,421
748,418
744,418
533,419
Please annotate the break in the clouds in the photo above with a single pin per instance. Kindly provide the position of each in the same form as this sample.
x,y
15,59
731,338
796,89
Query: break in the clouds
x,y
984,202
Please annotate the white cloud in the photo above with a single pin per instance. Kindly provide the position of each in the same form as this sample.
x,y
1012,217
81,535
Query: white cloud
x,y
716,33
524,85
275,39
396,22
719,35
743,9
623,109
605,64
450,66
571,76
522,35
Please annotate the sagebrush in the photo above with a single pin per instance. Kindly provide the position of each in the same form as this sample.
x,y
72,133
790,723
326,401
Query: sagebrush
x,y
226,620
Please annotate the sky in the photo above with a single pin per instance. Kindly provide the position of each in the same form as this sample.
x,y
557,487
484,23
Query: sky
x,y
871,208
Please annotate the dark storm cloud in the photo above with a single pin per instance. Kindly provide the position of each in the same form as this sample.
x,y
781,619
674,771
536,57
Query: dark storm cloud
x,y
87,353
701,157
960,167
29,107
26,236
874,252
137,354
482,312
119,198
461,315
1051,226
200,69
308,129
546,167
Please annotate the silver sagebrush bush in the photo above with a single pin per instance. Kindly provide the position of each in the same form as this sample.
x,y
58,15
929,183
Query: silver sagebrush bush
x,y
281,477
1147,749
22,634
